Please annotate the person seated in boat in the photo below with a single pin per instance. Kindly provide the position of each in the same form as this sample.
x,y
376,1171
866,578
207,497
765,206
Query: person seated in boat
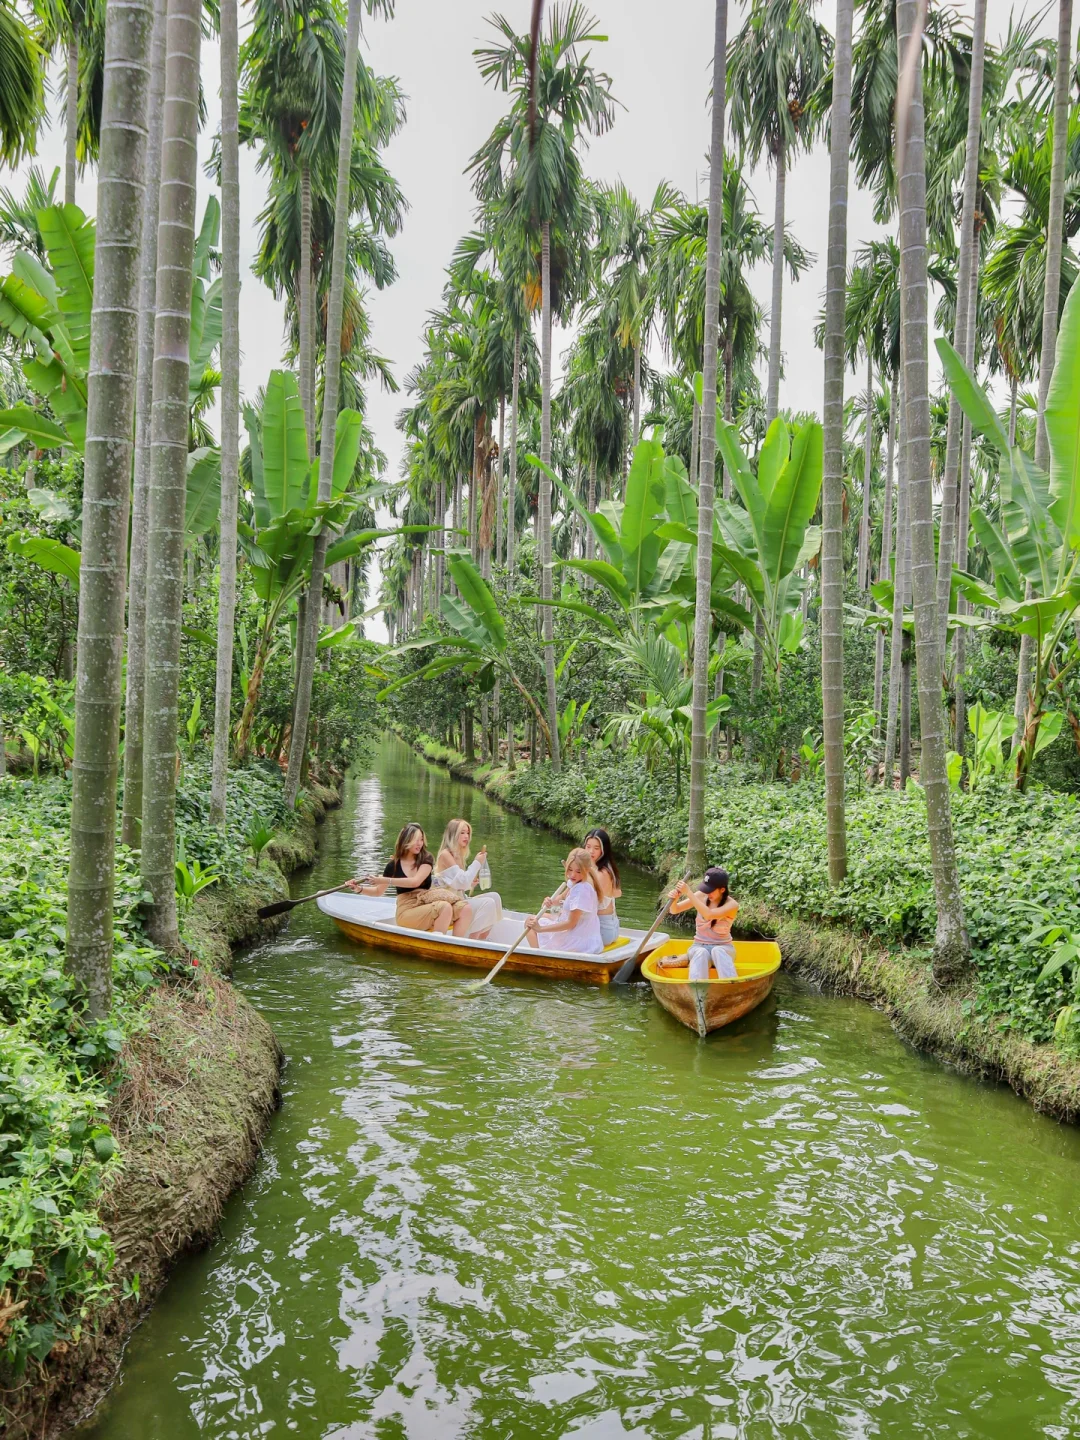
x,y
577,926
712,932
452,868
420,904
598,844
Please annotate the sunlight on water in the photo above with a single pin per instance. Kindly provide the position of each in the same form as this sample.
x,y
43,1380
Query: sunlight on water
x,y
552,1211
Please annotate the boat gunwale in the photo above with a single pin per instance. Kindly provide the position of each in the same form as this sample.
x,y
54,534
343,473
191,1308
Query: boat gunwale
x,y
654,978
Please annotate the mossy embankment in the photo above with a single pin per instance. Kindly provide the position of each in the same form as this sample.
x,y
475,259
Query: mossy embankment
x,y
971,1028
186,1105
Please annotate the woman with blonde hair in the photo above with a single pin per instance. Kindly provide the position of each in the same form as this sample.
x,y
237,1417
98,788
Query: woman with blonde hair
x,y
452,868
420,904
577,927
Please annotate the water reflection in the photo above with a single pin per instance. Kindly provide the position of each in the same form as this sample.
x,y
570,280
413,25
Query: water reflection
x,y
552,1211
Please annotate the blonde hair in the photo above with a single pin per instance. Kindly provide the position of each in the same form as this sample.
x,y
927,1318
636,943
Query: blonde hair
x,y
450,836
584,861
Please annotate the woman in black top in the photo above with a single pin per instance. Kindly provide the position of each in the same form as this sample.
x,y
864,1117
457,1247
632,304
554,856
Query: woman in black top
x,y
420,905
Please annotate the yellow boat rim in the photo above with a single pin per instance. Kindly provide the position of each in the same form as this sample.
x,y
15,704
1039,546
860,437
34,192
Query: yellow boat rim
x,y
754,959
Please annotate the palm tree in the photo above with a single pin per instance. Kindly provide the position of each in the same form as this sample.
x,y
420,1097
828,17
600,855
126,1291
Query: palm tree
x,y
107,465
530,166
777,63
951,947
230,403
699,738
832,500
22,93
135,696
964,331
169,443
331,383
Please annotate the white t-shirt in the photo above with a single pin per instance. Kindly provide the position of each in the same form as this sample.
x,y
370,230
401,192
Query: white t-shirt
x,y
584,938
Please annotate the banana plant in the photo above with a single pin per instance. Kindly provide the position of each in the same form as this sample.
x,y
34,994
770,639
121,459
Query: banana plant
x,y
477,646
1034,545
288,516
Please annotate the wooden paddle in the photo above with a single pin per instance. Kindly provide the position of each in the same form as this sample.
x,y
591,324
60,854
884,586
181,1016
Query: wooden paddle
x,y
626,969
479,984
282,907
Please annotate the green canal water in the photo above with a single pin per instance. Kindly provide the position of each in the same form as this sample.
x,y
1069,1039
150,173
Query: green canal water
x,y
552,1211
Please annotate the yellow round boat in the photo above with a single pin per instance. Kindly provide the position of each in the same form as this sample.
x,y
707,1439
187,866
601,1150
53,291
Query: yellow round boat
x,y
706,1005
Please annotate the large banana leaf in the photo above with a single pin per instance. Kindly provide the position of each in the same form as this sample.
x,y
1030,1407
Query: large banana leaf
x,y
26,314
644,507
51,555
69,243
773,457
203,499
613,581
1063,426
742,477
1007,576
348,436
42,432
579,607
284,445
65,390
207,239
679,495
205,335
606,533
791,502
973,398
253,425
476,593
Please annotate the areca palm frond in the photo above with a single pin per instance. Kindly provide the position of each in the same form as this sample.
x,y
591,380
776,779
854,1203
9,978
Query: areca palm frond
x,y
22,94
776,65
18,218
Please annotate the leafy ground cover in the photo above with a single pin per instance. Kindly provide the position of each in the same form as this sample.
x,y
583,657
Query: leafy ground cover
x,y
59,1071
1019,860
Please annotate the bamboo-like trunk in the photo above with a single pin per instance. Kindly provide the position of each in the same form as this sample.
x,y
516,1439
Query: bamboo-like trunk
x,y
169,437
964,321
637,393
331,390
897,634
544,510
832,504
772,406
135,697
511,498
304,316
71,118
500,523
963,520
590,538
695,843
230,406
114,348
884,570
951,947
440,538
868,467
695,441
729,391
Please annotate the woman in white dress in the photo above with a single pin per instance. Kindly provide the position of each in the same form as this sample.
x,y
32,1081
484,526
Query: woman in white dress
x,y
452,868
577,926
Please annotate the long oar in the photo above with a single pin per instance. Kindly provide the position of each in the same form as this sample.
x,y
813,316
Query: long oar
x,y
627,968
479,984
282,907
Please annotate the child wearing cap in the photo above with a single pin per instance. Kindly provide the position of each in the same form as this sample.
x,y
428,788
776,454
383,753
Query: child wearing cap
x,y
712,933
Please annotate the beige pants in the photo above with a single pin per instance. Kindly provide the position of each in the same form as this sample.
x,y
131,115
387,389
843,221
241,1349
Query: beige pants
x,y
419,909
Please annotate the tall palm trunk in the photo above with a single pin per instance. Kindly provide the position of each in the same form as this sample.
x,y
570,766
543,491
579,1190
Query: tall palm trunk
x,y
964,320
114,348
896,646
695,844
951,946
168,484
511,498
884,572
544,509
71,118
863,567
1051,298
230,405
440,538
144,394
500,526
832,503
963,518
305,317
772,406
331,390
637,392
695,441
729,394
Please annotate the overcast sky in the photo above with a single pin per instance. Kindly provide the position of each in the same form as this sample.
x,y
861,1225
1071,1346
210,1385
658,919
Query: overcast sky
x,y
659,60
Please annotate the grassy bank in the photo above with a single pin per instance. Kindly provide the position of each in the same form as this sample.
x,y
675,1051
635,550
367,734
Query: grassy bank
x,y
122,1139
871,936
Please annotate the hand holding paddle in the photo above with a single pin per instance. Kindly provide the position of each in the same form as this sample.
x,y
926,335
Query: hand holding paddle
x,y
478,985
627,968
282,907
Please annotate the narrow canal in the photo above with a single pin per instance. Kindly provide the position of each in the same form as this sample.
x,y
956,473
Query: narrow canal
x,y
552,1211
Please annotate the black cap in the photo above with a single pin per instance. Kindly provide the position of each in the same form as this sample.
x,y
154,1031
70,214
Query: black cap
x,y
714,878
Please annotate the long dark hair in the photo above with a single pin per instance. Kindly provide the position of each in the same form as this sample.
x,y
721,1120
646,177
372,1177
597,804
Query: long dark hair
x,y
406,835
607,859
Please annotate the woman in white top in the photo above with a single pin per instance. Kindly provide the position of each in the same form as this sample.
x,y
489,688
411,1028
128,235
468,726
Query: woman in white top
x,y
577,927
452,868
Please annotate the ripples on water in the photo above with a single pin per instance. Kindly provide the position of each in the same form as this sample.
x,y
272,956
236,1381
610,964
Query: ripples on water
x,y
552,1211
